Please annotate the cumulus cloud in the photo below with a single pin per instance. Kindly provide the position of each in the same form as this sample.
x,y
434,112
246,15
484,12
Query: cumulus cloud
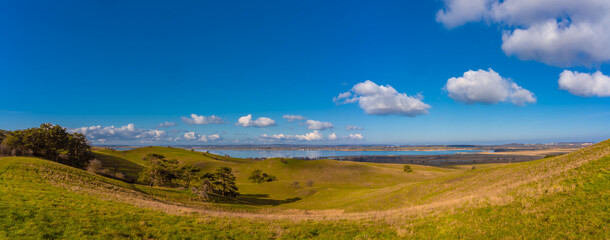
x,y
383,100
213,137
487,87
198,137
555,32
123,133
458,12
585,84
246,121
352,127
332,136
190,135
318,125
200,120
292,118
310,136
280,136
166,124
356,136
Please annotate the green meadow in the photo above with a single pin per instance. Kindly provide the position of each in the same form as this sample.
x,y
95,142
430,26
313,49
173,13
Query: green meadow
x,y
562,197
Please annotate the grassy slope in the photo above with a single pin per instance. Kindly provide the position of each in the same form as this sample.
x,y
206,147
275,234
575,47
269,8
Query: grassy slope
x,y
34,204
131,162
561,197
352,186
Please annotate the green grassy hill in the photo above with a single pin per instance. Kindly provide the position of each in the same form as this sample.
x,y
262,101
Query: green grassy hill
x,y
324,184
560,197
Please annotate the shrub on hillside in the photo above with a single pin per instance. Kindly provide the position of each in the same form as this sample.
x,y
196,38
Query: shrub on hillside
x,y
258,176
94,166
309,183
408,168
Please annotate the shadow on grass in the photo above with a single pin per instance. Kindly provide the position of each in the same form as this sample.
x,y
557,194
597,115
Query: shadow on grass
x,y
263,199
117,164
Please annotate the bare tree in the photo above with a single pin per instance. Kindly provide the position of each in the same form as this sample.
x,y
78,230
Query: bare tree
x,y
94,166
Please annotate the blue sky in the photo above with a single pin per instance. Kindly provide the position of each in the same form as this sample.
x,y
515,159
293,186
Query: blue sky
x,y
114,63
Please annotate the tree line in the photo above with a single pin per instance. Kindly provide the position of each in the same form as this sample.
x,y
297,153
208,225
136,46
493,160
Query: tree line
x,y
48,141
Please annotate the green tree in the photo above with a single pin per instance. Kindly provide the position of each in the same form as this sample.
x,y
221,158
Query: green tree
x,y
48,141
160,171
188,174
3,134
204,184
258,176
408,168
224,182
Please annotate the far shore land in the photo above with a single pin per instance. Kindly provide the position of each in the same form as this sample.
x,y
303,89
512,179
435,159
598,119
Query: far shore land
x,y
490,154
473,158
514,148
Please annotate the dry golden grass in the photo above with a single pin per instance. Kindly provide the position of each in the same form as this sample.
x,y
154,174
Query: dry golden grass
x,y
494,186
541,152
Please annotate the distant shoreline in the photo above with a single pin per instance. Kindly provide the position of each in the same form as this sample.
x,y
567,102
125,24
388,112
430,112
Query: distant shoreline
x,y
506,148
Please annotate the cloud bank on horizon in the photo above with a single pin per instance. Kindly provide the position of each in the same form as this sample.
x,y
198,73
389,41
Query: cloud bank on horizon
x,y
128,132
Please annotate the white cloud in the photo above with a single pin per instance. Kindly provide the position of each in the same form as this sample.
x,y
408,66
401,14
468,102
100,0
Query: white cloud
x,y
487,87
200,120
213,137
585,84
310,136
356,136
166,124
198,137
276,137
556,32
352,127
292,118
123,133
459,12
383,100
246,121
317,125
332,136
190,135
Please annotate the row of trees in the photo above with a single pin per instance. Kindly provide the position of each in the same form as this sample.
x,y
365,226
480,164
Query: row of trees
x,y
48,141
167,172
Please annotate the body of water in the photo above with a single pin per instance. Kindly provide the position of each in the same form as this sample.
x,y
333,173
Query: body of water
x,y
323,153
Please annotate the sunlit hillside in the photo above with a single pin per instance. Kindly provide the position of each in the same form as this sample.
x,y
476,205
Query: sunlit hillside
x,y
559,197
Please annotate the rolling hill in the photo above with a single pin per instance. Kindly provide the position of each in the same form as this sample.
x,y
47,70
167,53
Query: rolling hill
x,y
560,197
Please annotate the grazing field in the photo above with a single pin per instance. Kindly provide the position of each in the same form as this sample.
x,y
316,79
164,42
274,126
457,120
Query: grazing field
x,y
558,197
